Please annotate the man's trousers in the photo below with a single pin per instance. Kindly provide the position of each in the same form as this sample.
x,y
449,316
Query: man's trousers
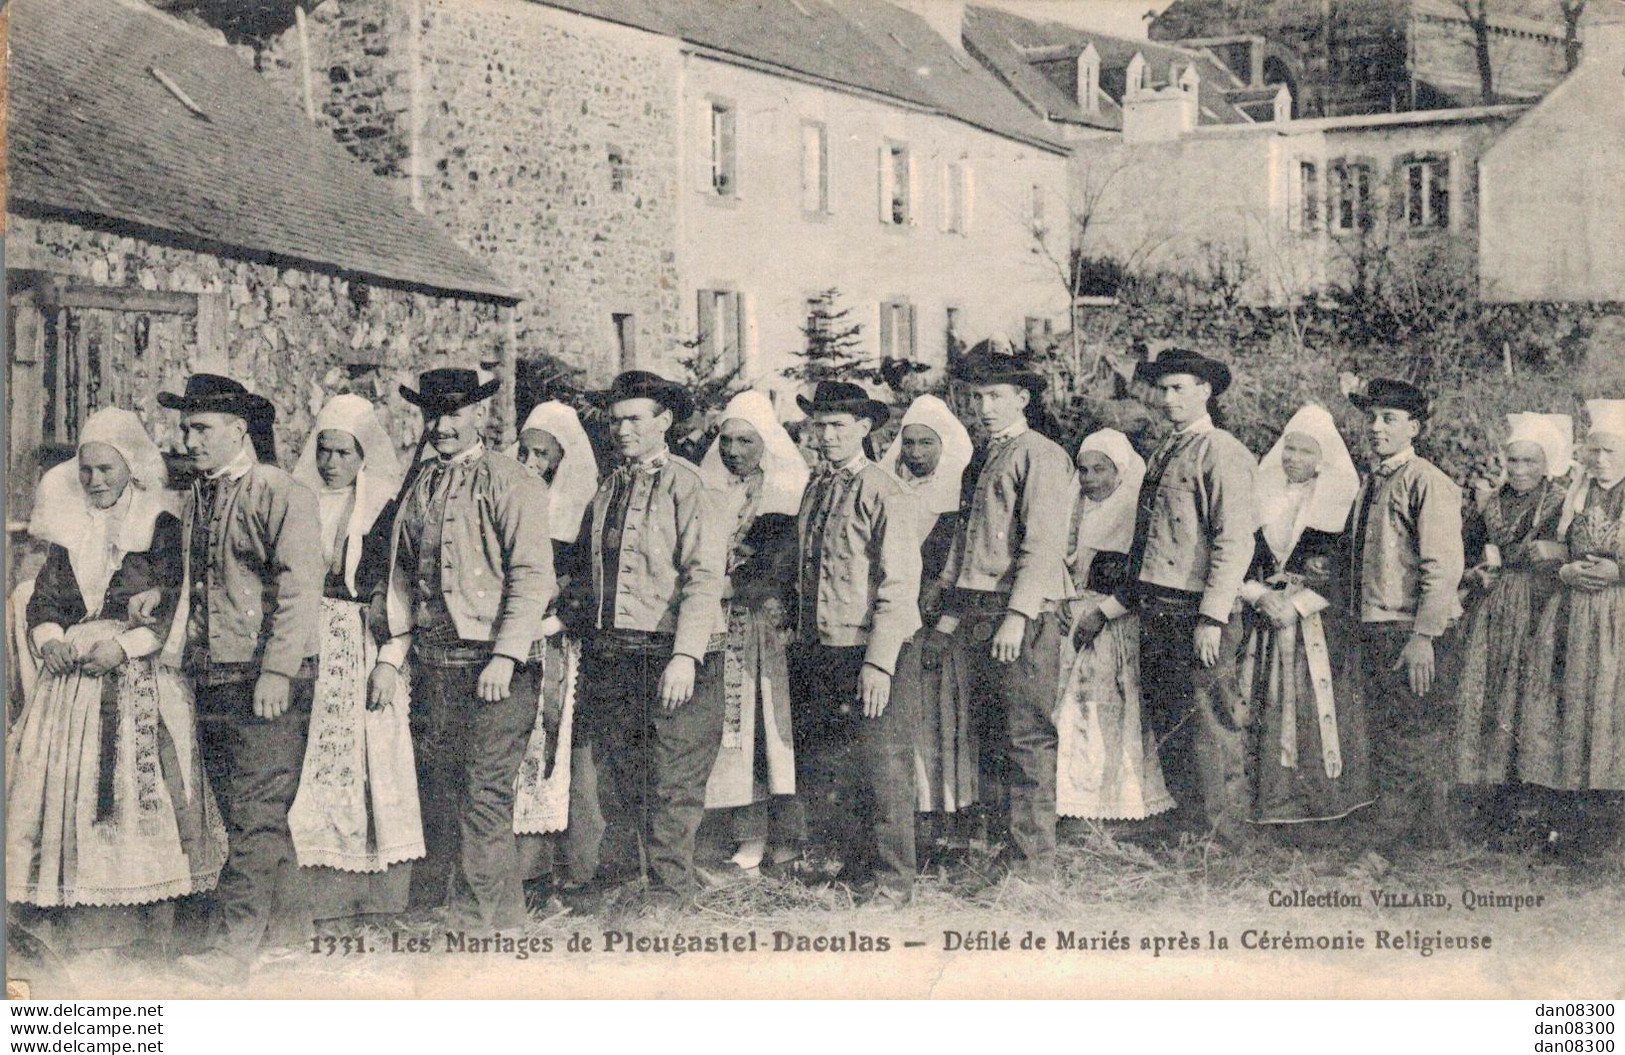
x,y
1410,748
1013,705
1197,715
854,775
253,765
468,755
651,764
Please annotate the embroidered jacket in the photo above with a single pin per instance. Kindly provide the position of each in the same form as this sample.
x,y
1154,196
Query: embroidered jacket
x,y
1011,535
1405,558
670,560
496,561
859,549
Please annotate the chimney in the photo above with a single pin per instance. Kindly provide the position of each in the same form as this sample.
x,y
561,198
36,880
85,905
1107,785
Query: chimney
x,y
947,17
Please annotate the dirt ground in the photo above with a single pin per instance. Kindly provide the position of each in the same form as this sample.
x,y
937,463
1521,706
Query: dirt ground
x,y
1194,920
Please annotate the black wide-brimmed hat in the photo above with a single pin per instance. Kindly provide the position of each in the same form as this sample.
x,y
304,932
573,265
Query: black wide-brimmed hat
x,y
843,397
986,364
1185,361
446,389
1394,394
213,394
643,384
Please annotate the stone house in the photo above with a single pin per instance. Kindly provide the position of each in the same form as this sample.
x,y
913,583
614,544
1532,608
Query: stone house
x,y
170,212
660,177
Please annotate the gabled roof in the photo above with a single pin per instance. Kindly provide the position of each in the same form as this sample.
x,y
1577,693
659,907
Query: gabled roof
x,y
871,46
1009,42
121,114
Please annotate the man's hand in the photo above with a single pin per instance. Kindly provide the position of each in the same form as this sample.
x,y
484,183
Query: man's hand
x,y
1206,641
552,625
59,657
143,606
271,695
1007,642
1089,627
874,689
103,658
495,678
677,683
1417,659
1278,607
381,686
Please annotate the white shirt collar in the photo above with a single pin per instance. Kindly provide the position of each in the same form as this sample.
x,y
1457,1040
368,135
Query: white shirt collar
x,y
1394,461
237,467
464,457
1010,432
1201,424
853,464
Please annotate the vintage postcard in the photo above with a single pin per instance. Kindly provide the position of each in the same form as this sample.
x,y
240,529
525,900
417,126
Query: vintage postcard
x,y
828,498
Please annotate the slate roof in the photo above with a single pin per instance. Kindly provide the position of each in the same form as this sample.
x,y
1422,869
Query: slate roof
x,y
869,45
1010,43
95,133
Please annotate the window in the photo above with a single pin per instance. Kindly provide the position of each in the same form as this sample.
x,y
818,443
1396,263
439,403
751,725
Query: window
x,y
1036,211
814,168
896,185
1425,192
1349,204
1305,210
620,170
898,338
626,339
722,327
955,197
724,159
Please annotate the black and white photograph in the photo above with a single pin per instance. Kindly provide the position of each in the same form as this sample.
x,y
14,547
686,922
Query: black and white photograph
x,y
814,498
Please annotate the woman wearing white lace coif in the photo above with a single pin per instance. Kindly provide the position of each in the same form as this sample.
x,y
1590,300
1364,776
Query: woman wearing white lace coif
x,y
928,457
556,790
1313,757
108,814
1108,767
356,821
754,466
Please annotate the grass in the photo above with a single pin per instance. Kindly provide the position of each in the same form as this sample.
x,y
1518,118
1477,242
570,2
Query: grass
x,y
1571,945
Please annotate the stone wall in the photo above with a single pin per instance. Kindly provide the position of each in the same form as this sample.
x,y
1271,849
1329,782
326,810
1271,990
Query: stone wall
x,y
518,110
291,335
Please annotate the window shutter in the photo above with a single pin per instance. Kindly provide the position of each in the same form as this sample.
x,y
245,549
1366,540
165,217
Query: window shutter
x,y
883,166
1294,196
742,325
945,194
729,145
970,198
705,330
913,211
913,333
887,331
1441,193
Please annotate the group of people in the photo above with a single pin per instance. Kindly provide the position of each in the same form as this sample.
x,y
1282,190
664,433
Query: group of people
x,y
362,687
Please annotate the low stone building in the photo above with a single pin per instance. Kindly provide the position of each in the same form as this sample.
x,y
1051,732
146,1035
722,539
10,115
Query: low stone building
x,y
170,212
656,178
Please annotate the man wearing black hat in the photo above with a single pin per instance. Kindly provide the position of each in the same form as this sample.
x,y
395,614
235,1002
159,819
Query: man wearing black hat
x,y
1405,563
1004,576
1193,542
245,632
470,579
858,603
650,695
